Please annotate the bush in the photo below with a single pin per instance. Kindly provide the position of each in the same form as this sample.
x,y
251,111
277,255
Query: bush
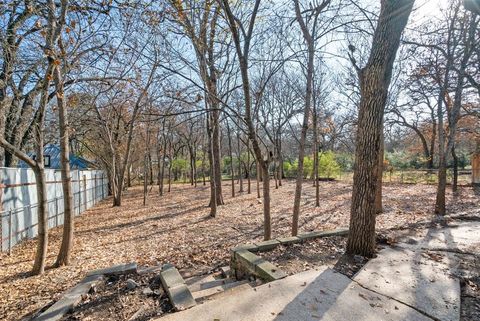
x,y
327,165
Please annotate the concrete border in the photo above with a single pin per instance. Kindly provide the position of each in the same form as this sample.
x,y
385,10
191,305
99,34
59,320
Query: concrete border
x,y
73,296
177,291
243,262
70,299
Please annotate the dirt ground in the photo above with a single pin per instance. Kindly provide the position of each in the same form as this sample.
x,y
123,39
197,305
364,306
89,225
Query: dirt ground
x,y
177,229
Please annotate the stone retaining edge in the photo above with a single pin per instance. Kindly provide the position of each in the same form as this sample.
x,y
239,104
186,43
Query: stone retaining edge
x,y
243,261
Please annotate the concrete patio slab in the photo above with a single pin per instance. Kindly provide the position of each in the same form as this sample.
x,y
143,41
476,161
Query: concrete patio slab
x,y
416,278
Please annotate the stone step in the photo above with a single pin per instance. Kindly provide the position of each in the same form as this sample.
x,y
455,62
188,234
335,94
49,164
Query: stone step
x,y
195,283
225,271
177,291
313,295
215,292
211,284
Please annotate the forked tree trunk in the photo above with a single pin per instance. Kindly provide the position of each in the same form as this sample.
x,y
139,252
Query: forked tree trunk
x,y
469,40
375,79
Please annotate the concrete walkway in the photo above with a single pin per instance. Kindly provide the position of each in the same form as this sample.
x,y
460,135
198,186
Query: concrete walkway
x,y
312,295
412,281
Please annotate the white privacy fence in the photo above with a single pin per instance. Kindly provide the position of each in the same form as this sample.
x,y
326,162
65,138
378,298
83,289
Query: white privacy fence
x,y
18,200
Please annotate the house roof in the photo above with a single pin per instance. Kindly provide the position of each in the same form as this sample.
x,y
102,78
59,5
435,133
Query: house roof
x,y
52,150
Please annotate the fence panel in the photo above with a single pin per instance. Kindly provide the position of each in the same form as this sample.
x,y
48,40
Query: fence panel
x,y
18,200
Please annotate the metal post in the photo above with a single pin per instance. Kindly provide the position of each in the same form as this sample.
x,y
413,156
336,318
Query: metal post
x,y
10,232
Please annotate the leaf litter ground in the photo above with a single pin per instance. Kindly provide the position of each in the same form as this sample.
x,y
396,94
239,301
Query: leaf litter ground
x,y
176,228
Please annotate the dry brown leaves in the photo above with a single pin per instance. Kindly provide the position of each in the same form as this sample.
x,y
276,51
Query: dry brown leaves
x,y
177,229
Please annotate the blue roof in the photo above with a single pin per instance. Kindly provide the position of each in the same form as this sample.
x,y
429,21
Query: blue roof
x,y
53,151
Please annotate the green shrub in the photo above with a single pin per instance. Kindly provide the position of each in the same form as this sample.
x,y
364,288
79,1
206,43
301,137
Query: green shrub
x,y
327,165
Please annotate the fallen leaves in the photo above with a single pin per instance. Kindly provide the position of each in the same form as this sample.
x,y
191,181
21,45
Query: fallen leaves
x,y
177,229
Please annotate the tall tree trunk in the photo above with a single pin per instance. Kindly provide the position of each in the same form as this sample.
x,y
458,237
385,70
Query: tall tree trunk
x,y
145,182
316,182
469,38
64,254
192,165
280,155
230,151
431,164
169,174
375,79
213,189
217,158
203,167
455,170
248,171
306,113
378,194
240,176
267,228
42,210
162,167
259,174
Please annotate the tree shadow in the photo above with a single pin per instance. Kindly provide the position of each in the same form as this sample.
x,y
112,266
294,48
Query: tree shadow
x,y
476,189
139,222
336,297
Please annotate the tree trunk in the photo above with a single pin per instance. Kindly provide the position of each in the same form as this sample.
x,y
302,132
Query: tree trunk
x,y
248,171
258,179
217,158
316,183
375,79
211,159
306,112
230,151
42,210
267,228
455,170
64,254
432,145
378,194
145,184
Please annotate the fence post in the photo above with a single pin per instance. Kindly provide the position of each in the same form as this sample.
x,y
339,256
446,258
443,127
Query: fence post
x,y
85,201
56,210
79,195
103,187
95,189
10,232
